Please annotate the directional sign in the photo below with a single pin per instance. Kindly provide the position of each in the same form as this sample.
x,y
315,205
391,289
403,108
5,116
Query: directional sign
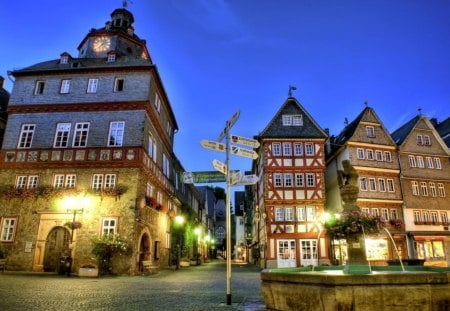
x,y
221,167
247,180
203,177
244,141
212,145
235,177
247,153
230,123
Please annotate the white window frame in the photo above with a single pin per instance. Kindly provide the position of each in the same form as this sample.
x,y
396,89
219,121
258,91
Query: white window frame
x,y
8,229
277,179
157,103
27,181
387,156
103,181
26,136
420,163
378,155
310,179
67,181
382,184
287,120
287,179
429,161
119,84
427,140
276,149
65,86
394,213
372,184
360,153
441,190
417,216
287,149
109,226
432,186
311,213
152,147
39,87
92,86
301,213
419,139
289,214
309,149
415,187
390,185
370,130
437,163
412,161
423,189
297,120
299,180
166,166
363,183
385,213
116,132
444,217
62,135
370,155
80,135
298,149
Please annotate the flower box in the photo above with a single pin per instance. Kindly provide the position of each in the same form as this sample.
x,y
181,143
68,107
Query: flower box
x,y
88,270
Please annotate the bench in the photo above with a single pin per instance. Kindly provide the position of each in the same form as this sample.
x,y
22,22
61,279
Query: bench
x,y
148,267
3,264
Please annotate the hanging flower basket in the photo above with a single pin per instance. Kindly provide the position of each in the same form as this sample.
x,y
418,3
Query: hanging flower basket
x,y
73,224
355,222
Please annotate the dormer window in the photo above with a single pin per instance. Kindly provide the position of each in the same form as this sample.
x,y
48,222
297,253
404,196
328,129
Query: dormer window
x,y
64,58
111,57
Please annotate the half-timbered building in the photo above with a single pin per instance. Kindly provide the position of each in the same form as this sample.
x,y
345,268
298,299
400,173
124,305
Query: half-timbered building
x,y
290,195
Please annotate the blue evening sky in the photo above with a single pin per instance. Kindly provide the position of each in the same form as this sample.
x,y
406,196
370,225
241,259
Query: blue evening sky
x,y
218,56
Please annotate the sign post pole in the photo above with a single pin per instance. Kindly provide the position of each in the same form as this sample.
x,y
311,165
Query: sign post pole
x,y
228,215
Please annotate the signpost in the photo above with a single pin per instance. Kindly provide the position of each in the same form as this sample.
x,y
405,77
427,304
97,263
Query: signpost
x,y
221,167
212,145
203,177
249,142
247,180
243,152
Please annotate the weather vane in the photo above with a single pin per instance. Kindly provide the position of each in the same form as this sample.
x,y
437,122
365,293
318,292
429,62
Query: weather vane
x,y
291,88
125,3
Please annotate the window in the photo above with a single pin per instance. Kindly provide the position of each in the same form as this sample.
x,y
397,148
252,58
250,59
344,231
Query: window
x,y
151,147
363,183
310,213
39,88
360,153
65,86
378,155
437,163
166,166
370,131
298,149
92,86
299,180
109,226
430,249
426,216
309,149
434,218
287,120
427,140
297,120
301,215
417,217
385,213
26,136
441,190
387,156
444,218
415,187
62,135
382,184
289,214
369,153
372,184
103,181
169,129
81,134
394,214
8,229
419,140
157,103
276,149
310,179
279,214
287,151
118,84
27,181
432,189
64,181
420,162
150,189
111,57
288,180
375,211
390,185
424,188
412,161
64,59
116,130
277,179
365,211
429,161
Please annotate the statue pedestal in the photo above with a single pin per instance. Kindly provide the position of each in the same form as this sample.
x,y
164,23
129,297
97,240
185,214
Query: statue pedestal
x,y
356,254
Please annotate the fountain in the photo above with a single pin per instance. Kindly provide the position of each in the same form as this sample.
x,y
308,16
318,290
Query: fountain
x,y
357,285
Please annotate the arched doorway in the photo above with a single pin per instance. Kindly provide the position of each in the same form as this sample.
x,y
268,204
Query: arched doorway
x,y
56,245
144,250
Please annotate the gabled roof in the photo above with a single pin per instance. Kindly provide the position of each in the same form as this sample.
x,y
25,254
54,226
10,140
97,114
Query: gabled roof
x,y
291,106
400,134
443,129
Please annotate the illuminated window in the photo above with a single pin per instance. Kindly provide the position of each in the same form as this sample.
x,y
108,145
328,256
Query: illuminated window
x,y
26,136
62,135
8,227
116,131
109,226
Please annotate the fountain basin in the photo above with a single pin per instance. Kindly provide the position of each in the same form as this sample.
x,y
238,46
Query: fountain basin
x,y
419,288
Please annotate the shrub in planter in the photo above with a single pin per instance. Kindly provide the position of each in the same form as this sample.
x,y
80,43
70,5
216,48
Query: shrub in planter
x,y
108,246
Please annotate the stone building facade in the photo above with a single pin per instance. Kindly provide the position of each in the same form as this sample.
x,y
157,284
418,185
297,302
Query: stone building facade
x,y
88,152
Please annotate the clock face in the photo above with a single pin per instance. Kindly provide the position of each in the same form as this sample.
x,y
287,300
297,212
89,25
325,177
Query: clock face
x,y
101,44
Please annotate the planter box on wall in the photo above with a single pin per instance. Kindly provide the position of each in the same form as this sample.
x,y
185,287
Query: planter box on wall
x,y
88,272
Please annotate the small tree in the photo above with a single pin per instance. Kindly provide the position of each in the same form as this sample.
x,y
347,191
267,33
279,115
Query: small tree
x,y
108,246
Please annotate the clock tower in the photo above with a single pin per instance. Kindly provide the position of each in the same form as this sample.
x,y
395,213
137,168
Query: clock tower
x,y
116,37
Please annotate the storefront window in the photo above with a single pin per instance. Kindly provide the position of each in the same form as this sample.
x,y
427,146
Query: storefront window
x,y
430,249
376,249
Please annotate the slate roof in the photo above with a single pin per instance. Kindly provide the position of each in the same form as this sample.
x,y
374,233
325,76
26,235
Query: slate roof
x,y
402,132
443,129
275,128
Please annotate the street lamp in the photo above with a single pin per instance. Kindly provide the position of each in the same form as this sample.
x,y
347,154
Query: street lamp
x,y
179,220
197,232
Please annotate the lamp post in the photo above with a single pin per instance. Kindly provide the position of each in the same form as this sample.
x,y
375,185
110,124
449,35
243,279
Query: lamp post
x,y
179,220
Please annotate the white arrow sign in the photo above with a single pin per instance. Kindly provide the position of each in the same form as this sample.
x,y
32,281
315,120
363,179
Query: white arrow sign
x,y
221,167
212,145
235,177
247,153
244,141
247,180
230,123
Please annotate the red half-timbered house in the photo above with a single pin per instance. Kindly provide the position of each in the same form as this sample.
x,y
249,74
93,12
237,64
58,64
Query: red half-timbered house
x,y
290,194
